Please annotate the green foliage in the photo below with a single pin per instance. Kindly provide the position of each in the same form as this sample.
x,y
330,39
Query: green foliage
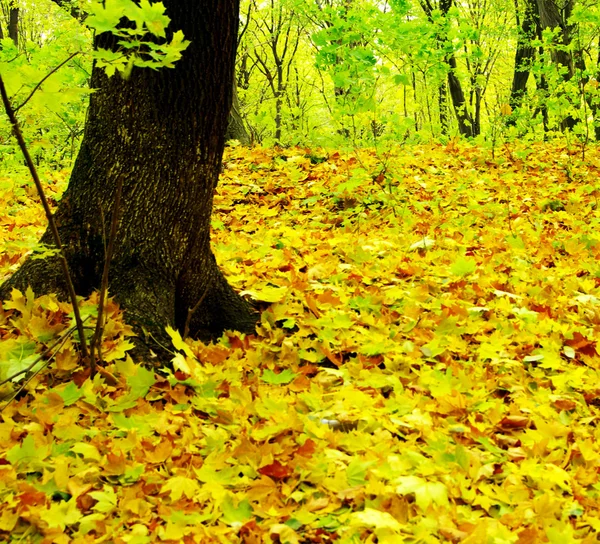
x,y
135,47
367,73
53,118
334,73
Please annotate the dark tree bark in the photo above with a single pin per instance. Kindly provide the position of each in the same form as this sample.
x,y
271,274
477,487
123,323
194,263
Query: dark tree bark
x,y
524,54
236,130
13,26
552,16
466,125
459,103
442,106
595,102
75,10
162,133
542,85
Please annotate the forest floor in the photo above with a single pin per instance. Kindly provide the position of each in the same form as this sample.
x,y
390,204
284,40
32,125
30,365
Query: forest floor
x,y
426,367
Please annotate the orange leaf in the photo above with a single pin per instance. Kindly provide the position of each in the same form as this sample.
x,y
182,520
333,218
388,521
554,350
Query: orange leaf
x,y
276,470
582,345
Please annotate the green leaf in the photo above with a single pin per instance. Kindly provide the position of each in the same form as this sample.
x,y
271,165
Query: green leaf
x,y
402,79
152,16
235,515
463,266
141,382
132,474
282,378
516,242
107,500
70,394
27,455
356,472
192,518
17,354
105,16
137,423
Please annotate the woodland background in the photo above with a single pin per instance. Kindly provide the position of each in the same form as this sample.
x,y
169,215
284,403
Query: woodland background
x,y
364,72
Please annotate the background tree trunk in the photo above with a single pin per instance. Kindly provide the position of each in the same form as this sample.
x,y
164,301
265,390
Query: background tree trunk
x,y
524,55
442,106
463,116
595,102
163,133
459,103
13,26
552,16
236,130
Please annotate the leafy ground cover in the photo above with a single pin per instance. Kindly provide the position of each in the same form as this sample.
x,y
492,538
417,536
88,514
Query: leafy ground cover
x,y
425,368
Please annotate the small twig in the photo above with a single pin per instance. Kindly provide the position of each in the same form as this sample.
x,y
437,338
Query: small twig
x,y
23,386
60,343
15,110
191,312
96,341
51,223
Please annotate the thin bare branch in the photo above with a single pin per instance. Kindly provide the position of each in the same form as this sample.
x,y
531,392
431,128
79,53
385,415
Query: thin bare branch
x,y
44,79
52,224
191,312
96,341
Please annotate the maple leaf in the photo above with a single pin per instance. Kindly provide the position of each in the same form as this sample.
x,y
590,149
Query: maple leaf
x,y
178,486
62,514
141,382
582,345
235,515
375,519
284,377
356,471
426,389
276,470
70,394
267,293
426,493
27,456
106,500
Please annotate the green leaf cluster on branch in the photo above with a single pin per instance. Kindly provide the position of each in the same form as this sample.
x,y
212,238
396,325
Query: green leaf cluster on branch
x,y
137,39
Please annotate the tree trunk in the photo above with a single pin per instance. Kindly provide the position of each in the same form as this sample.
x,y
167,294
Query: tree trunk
x,y
477,117
595,101
524,55
443,108
461,110
13,26
162,133
278,106
542,86
550,17
236,130
465,121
